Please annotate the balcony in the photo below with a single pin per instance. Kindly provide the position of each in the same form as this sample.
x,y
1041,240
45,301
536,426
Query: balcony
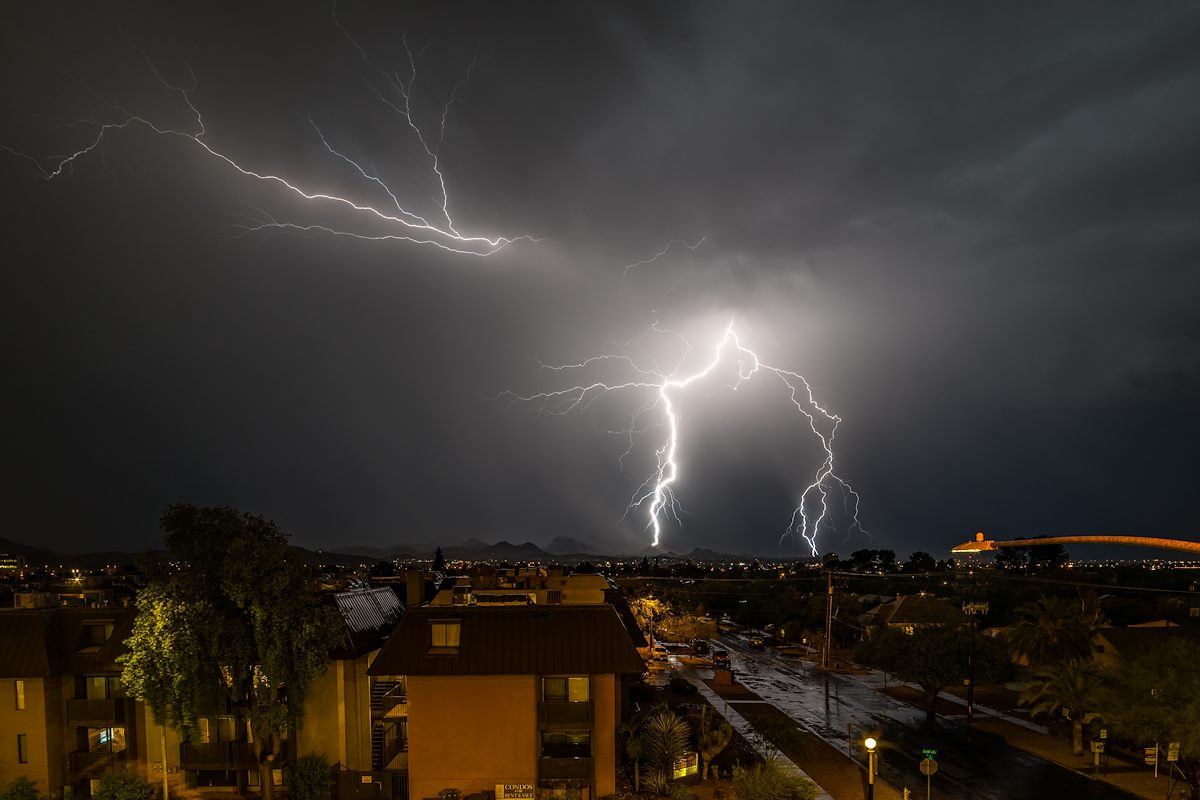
x,y
577,715
110,712
220,756
565,768
84,762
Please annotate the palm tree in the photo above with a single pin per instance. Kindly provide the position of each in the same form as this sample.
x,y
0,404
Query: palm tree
x,y
1052,630
665,738
1064,685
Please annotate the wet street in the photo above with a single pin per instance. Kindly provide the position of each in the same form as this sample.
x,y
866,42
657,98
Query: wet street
x,y
843,710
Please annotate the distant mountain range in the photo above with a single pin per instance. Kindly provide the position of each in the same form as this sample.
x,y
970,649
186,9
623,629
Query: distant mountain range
x,y
560,548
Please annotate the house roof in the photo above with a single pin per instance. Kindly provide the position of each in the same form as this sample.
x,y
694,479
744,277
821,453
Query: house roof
x,y
1127,642
913,609
26,645
523,640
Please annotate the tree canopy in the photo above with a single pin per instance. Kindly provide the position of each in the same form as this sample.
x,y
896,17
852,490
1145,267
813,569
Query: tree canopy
x,y
229,622
933,657
1051,630
1156,699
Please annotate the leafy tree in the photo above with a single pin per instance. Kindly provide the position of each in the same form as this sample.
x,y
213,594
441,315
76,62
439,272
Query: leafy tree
x,y
1033,558
1156,698
231,624
873,560
1050,630
122,784
439,560
920,561
311,778
768,781
1065,685
713,734
20,788
933,657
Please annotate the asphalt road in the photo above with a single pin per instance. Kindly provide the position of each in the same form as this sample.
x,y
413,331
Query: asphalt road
x,y
843,710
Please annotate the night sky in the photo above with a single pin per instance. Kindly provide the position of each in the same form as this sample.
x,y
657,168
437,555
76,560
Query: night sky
x,y
974,229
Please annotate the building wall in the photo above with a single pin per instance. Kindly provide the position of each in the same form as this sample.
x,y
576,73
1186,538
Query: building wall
x,y
471,732
32,722
607,710
149,749
337,716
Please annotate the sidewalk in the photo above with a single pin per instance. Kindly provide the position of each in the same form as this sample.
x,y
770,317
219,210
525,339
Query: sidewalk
x,y
743,726
1137,779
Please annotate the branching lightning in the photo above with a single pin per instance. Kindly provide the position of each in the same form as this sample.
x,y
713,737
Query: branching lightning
x,y
390,220
662,253
659,391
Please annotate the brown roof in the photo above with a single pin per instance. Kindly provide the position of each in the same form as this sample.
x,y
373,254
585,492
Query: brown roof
x,y
1128,642
914,609
525,640
37,643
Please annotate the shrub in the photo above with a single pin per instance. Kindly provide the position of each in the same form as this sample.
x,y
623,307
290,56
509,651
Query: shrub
x,y
768,781
311,778
122,784
20,788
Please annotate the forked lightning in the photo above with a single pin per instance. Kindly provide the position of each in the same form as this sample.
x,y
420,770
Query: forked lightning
x,y
659,392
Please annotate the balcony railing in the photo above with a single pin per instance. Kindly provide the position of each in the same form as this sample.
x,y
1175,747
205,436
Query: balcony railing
x,y
564,768
85,762
220,755
562,713
109,711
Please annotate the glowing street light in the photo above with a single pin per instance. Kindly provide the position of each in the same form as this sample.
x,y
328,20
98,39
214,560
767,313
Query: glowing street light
x,y
872,765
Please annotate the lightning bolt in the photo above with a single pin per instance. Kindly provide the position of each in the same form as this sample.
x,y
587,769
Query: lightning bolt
x,y
384,219
660,254
659,391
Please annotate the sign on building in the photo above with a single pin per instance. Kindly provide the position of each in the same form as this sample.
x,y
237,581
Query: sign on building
x,y
506,791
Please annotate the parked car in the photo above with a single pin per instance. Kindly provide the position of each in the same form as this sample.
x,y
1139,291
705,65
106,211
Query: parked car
x,y
756,642
699,647
720,659
659,653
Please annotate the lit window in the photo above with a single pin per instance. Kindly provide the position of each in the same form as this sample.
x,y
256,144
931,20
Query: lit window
x,y
445,633
563,689
22,748
908,630
20,695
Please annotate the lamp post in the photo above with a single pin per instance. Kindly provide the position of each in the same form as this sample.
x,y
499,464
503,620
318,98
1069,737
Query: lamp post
x,y
870,744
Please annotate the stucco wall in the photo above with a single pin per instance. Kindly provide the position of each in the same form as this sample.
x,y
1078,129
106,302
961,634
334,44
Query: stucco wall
x,y
471,732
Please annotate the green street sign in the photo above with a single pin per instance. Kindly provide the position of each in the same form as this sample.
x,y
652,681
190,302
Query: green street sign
x,y
929,753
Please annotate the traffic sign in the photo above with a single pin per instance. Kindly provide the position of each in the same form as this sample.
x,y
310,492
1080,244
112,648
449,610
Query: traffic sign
x,y
1151,755
928,766
929,752
1173,751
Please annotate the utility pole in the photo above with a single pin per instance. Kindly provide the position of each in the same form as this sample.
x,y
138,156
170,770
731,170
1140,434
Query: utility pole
x,y
972,609
828,621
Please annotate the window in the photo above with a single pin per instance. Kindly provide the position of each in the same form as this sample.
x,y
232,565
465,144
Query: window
x,y
445,633
564,689
20,695
102,740
908,630
94,634
566,744
22,748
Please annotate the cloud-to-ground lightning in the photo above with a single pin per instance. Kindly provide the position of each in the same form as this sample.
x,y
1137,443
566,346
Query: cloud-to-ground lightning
x,y
384,218
659,391
662,253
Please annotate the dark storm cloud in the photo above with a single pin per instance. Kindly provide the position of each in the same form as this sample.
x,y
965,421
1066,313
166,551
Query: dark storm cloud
x,y
972,229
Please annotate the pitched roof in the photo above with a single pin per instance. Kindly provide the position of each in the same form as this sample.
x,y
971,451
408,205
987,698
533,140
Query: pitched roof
x,y
524,640
369,617
37,643
1128,642
28,646
914,609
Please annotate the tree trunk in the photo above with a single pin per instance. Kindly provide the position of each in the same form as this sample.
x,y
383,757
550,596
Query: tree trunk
x,y
1077,737
704,769
266,778
931,696
637,774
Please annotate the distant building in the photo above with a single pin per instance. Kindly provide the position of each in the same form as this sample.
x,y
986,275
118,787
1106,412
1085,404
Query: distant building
x,y
909,612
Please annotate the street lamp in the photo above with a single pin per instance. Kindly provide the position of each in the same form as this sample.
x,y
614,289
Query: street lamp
x,y
870,743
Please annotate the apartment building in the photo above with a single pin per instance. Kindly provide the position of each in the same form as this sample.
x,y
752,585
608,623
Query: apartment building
x,y
512,699
64,718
